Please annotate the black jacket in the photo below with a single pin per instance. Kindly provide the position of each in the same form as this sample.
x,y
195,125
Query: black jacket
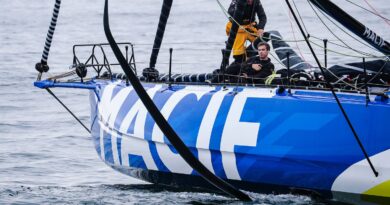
x,y
249,13
267,67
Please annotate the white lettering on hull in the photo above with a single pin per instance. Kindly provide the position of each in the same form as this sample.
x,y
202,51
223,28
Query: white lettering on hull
x,y
174,162
206,127
236,133
131,145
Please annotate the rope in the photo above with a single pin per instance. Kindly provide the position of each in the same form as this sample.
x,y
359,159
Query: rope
x,y
377,74
367,55
163,124
376,13
343,54
336,97
51,30
293,32
70,112
42,66
63,75
300,17
330,30
270,78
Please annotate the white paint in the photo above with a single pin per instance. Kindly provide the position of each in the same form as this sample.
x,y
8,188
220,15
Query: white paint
x,y
359,177
130,145
139,147
174,162
104,105
239,133
206,127
109,109
139,111
101,138
116,104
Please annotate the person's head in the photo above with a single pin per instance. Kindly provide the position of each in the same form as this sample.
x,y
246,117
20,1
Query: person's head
x,y
249,2
263,49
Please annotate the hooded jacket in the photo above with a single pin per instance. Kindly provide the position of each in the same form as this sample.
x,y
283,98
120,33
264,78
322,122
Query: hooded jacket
x,y
249,13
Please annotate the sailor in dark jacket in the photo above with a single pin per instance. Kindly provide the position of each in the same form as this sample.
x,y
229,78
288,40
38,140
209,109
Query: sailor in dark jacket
x,y
256,68
251,29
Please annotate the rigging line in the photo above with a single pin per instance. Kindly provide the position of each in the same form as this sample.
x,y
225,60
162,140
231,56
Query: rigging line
x,y
375,12
293,31
296,43
42,66
300,17
62,75
377,74
342,54
179,43
332,21
330,30
50,32
340,79
165,127
330,42
335,96
70,112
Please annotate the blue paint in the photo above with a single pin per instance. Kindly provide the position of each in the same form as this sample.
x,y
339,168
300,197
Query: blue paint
x,y
189,110
159,99
216,134
303,139
119,147
108,154
137,161
51,84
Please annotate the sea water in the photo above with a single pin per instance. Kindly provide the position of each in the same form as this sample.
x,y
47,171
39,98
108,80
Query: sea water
x,y
46,157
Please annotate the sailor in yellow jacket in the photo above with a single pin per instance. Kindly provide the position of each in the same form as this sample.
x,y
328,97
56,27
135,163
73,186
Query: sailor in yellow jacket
x,y
251,29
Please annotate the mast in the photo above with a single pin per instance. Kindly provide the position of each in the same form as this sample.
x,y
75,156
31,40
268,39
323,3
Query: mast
x,y
353,25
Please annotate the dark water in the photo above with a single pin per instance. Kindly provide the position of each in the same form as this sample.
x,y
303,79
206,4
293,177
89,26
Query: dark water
x,y
45,156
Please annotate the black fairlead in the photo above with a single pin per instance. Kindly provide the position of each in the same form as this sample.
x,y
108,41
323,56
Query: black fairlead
x,y
333,92
162,123
81,71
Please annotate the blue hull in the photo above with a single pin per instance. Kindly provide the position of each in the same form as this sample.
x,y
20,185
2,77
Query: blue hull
x,y
254,137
